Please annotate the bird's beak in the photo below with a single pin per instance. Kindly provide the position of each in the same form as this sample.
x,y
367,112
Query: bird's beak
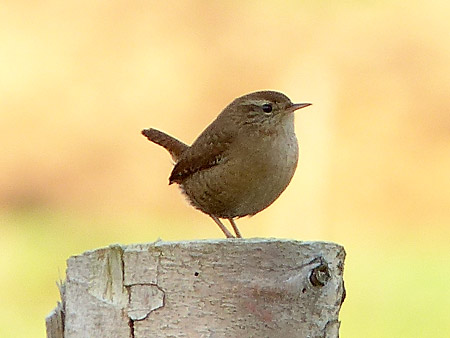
x,y
296,106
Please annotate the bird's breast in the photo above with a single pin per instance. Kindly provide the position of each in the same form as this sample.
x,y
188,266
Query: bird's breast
x,y
250,176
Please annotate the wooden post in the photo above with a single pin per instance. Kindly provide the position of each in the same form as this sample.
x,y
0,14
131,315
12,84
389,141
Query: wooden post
x,y
210,288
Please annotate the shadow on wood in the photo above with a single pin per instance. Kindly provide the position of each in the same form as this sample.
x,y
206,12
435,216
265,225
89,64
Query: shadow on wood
x,y
211,288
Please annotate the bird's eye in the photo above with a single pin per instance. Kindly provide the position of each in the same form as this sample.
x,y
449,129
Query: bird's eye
x,y
267,107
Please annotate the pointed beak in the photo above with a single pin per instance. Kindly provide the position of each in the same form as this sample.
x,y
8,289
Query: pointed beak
x,y
296,106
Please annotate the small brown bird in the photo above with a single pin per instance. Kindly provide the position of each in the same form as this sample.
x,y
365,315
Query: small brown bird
x,y
241,162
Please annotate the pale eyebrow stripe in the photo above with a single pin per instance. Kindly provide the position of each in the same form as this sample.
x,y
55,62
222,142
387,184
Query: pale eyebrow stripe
x,y
256,102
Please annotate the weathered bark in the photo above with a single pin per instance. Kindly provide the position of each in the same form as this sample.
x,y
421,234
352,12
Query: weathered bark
x,y
212,288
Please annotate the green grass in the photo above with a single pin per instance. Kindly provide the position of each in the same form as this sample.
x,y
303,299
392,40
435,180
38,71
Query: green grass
x,y
396,288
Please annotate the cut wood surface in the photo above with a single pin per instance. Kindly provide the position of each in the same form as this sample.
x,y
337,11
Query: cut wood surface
x,y
210,288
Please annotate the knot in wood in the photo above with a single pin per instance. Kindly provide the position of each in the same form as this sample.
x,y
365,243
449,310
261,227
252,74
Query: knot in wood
x,y
320,275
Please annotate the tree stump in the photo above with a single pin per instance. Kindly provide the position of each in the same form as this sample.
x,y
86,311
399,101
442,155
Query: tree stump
x,y
210,288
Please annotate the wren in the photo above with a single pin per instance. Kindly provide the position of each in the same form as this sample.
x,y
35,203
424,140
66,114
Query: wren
x,y
241,162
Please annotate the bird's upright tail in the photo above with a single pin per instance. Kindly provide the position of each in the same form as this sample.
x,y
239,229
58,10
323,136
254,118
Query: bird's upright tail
x,y
171,144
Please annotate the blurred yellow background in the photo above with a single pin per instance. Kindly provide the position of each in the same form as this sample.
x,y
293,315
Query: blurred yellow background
x,y
80,79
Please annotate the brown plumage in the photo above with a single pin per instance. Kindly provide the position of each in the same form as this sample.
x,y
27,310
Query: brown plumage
x,y
241,162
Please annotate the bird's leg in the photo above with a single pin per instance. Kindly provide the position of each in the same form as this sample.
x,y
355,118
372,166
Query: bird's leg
x,y
222,227
235,228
